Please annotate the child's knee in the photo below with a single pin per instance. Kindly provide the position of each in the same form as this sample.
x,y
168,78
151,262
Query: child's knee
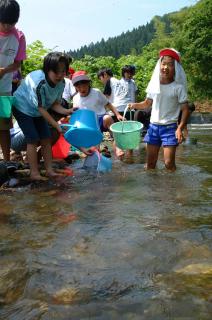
x,y
170,164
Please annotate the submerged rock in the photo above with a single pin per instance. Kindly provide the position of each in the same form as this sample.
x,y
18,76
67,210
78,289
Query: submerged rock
x,y
196,268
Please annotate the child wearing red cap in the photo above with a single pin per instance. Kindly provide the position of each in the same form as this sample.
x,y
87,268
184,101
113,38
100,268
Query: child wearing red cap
x,y
167,94
93,99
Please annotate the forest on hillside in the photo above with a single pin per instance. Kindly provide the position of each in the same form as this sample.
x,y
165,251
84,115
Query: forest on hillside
x,y
188,30
130,42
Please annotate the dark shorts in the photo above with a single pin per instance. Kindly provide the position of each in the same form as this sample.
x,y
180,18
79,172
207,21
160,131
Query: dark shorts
x,y
34,128
161,135
101,124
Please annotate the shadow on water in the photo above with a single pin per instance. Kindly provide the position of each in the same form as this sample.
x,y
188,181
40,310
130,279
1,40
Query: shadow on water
x,y
126,245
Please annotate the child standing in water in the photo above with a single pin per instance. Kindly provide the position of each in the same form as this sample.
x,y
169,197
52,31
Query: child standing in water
x,y
38,92
166,93
12,52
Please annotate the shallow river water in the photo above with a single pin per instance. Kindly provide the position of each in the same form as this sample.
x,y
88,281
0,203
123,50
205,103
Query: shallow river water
x,y
125,245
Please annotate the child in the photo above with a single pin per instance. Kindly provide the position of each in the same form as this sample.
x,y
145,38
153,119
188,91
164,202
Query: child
x,y
13,51
127,91
166,93
38,92
92,99
111,84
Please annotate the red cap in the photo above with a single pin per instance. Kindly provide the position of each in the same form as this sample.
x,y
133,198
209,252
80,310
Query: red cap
x,y
71,71
171,53
79,76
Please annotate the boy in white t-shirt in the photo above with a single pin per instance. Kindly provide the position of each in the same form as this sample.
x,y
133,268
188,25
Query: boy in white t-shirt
x,y
111,84
12,52
167,94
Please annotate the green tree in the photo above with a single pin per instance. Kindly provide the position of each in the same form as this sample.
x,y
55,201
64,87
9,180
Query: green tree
x,y
35,54
192,36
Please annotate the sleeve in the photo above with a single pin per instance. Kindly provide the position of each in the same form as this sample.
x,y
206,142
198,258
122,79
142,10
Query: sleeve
x,y
182,95
150,96
61,91
40,94
107,89
21,54
103,100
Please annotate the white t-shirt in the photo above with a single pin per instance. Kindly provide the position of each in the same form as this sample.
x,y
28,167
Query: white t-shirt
x,y
115,85
166,105
125,94
12,48
69,90
95,101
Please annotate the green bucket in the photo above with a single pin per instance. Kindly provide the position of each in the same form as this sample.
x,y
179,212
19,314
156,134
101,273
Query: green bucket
x,y
127,134
6,103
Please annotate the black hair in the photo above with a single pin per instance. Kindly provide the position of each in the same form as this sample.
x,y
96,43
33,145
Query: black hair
x,y
102,71
9,11
52,60
129,69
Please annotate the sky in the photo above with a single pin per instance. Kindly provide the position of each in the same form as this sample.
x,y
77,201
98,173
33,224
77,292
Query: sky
x,y
69,24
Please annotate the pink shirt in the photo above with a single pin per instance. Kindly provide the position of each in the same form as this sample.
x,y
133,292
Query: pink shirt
x,y
12,48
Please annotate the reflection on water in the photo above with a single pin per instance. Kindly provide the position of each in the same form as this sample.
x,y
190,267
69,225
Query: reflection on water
x,y
127,245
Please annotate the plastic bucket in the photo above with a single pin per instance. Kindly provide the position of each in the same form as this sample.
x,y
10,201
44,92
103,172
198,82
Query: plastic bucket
x,y
83,130
6,103
127,134
98,162
61,148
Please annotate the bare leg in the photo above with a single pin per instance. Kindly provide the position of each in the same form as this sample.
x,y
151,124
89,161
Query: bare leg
x,y
33,162
107,121
152,156
5,144
47,156
169,157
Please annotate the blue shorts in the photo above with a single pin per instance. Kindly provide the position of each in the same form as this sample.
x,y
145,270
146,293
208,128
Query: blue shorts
x,y
34,128
161,135
101,124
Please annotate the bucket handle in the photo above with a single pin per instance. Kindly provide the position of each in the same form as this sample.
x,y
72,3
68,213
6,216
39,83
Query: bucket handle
x,y
125,111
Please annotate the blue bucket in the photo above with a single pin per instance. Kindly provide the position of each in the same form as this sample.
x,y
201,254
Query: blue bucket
x,y
98,162
83,130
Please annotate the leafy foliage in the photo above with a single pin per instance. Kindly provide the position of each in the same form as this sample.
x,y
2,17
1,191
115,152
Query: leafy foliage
x,y
35,54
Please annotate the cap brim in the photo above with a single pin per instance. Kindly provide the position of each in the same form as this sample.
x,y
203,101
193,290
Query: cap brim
x,y
80,78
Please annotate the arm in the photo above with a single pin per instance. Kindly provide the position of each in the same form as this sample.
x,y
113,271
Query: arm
x,y
183,122
58,108
140,105
10,68
49,119
113,109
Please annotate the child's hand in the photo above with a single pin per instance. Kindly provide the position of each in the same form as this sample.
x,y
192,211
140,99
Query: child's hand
x,y
179,135
2,72
130,106
59,129
120,117
69,111
88,152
